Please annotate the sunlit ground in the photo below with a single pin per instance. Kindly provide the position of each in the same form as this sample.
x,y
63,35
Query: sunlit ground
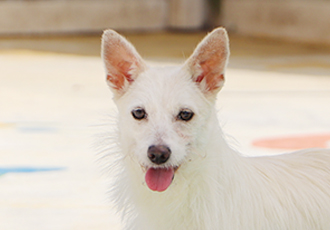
x,y
54,102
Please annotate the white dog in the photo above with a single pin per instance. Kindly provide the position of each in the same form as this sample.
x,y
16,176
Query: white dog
x,y
174,169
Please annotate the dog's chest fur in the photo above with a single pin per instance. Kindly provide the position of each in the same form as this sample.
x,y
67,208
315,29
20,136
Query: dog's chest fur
x,y
216,192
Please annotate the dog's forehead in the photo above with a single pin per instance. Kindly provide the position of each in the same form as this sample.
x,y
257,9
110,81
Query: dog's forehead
x,y
165,86
166,82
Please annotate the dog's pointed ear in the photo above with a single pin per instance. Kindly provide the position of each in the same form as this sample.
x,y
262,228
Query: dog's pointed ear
x,y
208,62
122,62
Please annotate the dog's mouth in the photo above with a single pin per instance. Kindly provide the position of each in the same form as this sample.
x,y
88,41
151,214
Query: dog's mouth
x,y
159,179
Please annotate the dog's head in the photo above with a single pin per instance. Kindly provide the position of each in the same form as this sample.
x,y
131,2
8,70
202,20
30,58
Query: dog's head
x,y
163,112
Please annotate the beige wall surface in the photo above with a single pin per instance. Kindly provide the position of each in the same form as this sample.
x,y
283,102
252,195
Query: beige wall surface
x,y
304,21
63,16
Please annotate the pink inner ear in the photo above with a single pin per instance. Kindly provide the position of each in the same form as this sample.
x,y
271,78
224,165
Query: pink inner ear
x,y
118,78
117,81
212,81
215,82
200,78
122,62
210,72
208,62
125,67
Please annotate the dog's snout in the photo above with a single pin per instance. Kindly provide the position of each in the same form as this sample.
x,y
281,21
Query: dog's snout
x,y
159,154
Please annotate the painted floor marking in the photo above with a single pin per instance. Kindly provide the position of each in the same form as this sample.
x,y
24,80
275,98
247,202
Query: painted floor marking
x,y
295,142
4,170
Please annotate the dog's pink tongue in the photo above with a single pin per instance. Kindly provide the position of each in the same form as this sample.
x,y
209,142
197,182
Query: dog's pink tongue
x,y
159,179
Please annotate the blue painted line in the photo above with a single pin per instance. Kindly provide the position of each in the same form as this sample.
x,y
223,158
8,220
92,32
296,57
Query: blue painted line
x,y
37,129
27,170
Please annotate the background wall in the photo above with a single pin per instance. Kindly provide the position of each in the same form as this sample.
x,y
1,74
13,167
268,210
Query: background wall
x,y
63,16
297,20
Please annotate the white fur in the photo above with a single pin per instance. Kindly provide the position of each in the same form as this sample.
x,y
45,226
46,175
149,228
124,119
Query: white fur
x,y
215,187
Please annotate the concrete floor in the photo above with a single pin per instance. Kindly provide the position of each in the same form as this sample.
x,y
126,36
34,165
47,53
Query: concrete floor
x,y
54,104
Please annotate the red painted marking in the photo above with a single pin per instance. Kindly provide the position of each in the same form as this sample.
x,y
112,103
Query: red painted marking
x,y
295,142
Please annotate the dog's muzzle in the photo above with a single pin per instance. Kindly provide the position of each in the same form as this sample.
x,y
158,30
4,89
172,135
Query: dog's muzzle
x,y
159,178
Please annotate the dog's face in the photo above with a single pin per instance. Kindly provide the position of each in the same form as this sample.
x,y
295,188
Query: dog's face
x,y
163,111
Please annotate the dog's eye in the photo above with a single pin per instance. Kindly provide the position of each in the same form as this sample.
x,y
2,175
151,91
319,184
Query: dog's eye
x,y
185,115
139,113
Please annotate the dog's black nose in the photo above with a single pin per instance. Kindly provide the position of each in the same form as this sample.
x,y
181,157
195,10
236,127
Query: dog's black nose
x,y
159,154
